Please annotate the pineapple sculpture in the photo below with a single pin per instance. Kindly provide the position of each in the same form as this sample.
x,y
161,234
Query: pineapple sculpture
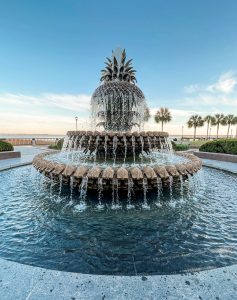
x,y
118,70
118,104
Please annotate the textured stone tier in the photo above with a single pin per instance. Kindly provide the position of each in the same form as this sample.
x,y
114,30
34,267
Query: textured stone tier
x,y
152,177
119,144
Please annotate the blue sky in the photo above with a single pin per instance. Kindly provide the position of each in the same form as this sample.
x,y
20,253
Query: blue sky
x,y
51,54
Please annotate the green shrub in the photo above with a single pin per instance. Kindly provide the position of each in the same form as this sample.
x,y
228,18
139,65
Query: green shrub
x,y
179,147
58,146
5,146
228,146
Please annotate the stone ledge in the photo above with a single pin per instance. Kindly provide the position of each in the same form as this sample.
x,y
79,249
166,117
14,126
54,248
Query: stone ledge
x,y
217,156
18,281
150,176
9,154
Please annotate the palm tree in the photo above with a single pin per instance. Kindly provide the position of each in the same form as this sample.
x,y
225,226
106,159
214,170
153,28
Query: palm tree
x,y
195,121
229,120
147,114
163,115
208,120
218,119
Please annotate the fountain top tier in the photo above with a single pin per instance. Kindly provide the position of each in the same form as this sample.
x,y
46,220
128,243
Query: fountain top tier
x,y
118,104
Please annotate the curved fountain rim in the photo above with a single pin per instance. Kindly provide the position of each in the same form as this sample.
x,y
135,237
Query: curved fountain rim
x,y
58,151
153,174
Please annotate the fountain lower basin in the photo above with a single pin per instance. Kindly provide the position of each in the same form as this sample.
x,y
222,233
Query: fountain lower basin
x,y
152,175
117,160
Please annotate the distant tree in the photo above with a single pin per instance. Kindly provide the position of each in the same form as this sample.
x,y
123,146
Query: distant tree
x,y
195,121
229,120
236,127
218,119
162,116
208,120
147,114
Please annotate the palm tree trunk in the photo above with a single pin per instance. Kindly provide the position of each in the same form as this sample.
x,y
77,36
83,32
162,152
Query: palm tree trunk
x,y
207,129
228,130
162,125
217,130
194,136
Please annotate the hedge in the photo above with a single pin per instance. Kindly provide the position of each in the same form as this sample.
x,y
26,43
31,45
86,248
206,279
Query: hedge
x,y
179,147
5,146
58,146
228,146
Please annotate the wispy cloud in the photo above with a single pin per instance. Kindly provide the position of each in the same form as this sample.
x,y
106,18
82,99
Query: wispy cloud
x,y
225,84
223,92
45,113
72,102
192,88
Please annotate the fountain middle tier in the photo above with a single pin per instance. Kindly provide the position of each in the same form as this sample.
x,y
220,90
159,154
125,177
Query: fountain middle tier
x,y
116,144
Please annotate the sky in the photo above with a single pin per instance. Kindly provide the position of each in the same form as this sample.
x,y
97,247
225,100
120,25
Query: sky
x,y
51,54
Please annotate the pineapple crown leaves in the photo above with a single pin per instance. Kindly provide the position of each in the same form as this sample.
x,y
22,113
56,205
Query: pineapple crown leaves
x,y
122,71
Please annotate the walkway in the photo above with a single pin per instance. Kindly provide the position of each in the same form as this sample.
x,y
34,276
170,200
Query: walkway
x,y
220,165
27,155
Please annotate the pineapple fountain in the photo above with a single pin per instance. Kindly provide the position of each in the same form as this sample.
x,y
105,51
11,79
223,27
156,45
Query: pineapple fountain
x,y
122,157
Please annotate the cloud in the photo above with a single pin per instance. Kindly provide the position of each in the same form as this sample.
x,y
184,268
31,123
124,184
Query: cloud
x,y
12,122
222,93
79,102
207,100
44,113
225,84
190,89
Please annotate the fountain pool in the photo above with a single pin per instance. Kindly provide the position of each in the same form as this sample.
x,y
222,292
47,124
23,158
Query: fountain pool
x,y
179,230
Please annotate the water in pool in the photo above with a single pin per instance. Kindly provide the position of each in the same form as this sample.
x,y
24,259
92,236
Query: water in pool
x,y
187,228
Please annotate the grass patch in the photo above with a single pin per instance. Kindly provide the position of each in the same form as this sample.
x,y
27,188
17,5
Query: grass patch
x,y
198,143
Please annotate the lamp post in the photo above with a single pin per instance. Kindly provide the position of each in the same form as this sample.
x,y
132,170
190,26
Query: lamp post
x,y
76,118
210,133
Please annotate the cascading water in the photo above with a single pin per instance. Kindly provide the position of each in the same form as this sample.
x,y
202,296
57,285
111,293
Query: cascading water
x,y
130,190
100,191
134,149
105,146
125,148
114,148
118,159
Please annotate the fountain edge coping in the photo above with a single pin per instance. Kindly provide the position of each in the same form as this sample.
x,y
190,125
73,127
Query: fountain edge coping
x,y
37,283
